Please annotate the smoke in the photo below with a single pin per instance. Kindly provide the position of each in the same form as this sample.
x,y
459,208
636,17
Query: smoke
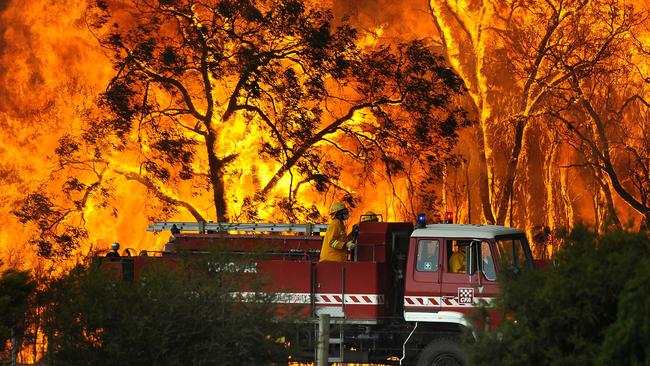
x,y
4,4
400,20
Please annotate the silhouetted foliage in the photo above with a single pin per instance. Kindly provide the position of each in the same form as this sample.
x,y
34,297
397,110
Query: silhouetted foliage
x,y
252,103
55,238
16,289
626,341
576,312
186,72
169,315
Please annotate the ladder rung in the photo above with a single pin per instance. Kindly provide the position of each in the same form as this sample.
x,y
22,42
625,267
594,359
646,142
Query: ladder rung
x,y
335,359
336,341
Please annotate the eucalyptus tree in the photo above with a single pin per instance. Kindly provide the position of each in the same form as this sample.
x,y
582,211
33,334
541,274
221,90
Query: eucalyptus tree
x,y
249,102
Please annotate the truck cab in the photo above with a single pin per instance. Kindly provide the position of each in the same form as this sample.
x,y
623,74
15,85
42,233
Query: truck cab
x,y
435,291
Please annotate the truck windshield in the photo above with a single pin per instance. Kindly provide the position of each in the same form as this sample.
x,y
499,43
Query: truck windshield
x,y
514,251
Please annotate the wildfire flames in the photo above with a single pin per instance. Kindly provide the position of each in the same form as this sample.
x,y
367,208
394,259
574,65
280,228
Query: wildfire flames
x,y
53,69
558,93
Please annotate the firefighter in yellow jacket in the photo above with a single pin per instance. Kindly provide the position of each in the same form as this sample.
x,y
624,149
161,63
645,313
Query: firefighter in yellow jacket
x,y
335,248
457,260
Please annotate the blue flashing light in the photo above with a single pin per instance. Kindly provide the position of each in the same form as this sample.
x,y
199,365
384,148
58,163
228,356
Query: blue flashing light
x,y
422,221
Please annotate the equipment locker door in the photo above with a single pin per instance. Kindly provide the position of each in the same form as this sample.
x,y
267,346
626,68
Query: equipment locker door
x,y
330,288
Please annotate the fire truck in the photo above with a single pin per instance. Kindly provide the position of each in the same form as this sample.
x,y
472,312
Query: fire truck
x,y
397,300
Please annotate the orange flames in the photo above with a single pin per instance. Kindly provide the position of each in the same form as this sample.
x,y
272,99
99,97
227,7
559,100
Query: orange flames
x,y
53,69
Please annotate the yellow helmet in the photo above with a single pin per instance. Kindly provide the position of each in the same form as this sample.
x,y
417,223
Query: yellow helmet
x,y
369,216
336,207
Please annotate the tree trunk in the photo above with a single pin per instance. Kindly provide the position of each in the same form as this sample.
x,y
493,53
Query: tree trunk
x,y
484,189
444,189
601,150
566,199
611,218
217,167
13,347
511,173
468,192
552,209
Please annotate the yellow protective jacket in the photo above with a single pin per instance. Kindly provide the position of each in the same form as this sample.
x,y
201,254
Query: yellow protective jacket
x,y
457,262
334,249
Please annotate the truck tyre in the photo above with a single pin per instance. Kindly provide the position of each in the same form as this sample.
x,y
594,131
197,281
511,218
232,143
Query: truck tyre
x,y
442,352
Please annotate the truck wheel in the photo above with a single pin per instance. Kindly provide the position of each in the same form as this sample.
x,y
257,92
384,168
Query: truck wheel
x,y
442,352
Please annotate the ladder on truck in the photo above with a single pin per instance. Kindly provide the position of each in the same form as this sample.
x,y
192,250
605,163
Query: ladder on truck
x,y
214,227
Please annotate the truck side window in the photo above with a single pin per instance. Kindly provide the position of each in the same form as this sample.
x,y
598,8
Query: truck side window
x,y
427,260
512,253
487,262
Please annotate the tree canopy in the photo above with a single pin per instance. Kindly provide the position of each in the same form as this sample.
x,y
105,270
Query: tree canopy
x,y
561,97
254,104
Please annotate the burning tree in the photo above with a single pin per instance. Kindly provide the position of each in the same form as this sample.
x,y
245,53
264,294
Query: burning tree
x,y
255,103
607,117
517,58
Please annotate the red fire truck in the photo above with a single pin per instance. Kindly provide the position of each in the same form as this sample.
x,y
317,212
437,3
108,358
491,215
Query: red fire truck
x,y
396,301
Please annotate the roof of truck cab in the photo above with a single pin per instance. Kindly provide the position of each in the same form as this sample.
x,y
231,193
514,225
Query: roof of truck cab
x,y
467,231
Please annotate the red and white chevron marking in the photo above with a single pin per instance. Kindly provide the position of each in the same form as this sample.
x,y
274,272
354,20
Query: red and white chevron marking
x,y
437,301
319,298
350,299
421,301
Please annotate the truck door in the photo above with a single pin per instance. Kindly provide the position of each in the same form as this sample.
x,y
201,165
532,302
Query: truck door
x,y
468,275
422,290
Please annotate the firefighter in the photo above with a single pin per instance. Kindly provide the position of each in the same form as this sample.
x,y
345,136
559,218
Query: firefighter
x,y
457,260
114,248
335,247
369,216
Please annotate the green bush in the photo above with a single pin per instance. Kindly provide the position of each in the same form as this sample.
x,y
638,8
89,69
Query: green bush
x,y
16,289
627,341
164,317
577,312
